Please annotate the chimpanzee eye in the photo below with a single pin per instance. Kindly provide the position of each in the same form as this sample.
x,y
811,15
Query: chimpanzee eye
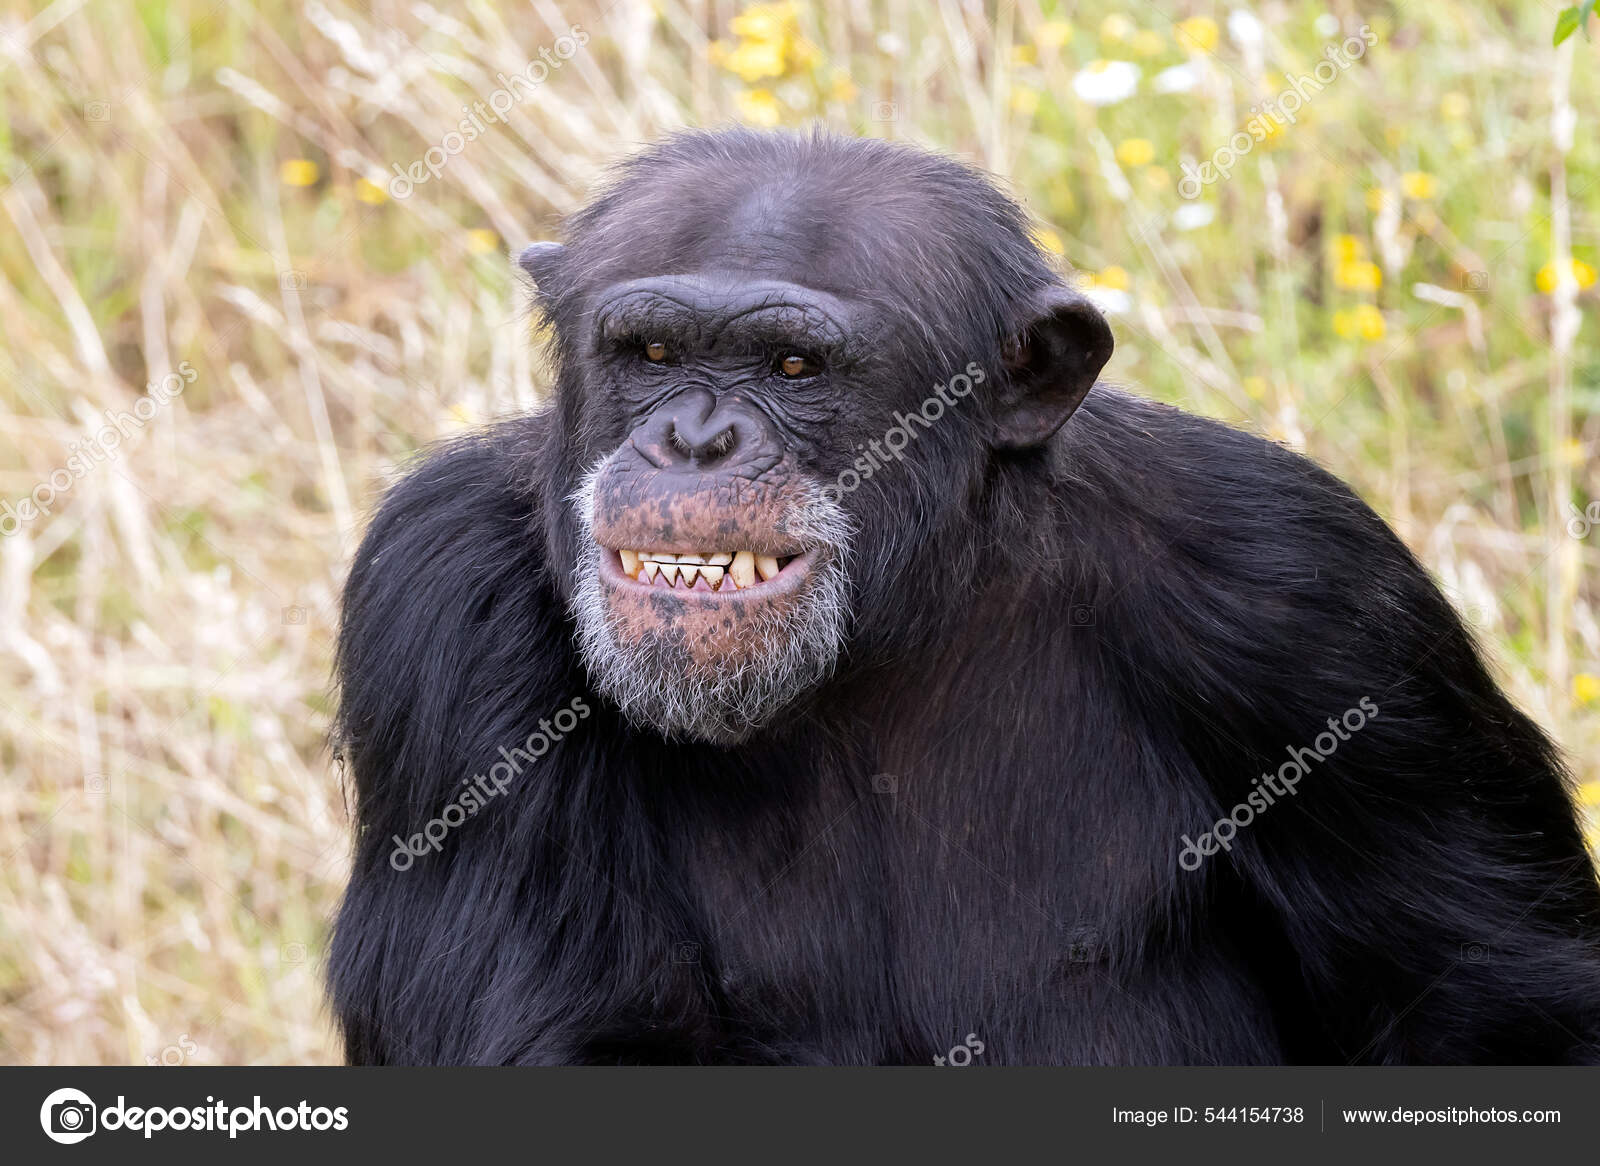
x,y
796,365
655,352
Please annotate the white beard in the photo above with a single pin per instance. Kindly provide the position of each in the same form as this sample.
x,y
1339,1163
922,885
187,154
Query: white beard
x,y
659,685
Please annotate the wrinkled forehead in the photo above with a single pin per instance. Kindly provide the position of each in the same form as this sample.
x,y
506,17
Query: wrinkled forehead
x,y
774,231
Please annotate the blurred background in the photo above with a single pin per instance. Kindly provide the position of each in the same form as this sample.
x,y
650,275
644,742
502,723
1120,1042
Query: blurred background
x,y
254,255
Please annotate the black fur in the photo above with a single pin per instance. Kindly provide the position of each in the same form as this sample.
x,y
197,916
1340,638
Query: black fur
x,y
1064,660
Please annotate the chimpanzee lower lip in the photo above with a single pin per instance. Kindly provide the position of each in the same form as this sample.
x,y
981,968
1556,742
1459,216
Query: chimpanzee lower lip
x,y
716,585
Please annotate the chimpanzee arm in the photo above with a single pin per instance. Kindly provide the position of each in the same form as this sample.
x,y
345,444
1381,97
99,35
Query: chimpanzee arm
x,y
452,645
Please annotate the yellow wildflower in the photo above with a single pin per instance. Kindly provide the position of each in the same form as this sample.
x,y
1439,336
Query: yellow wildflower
x,y
1418,184
299,172
1049,240
1357,275
1136,152
1586,689
1377,198
1589,791
370,192
754,59
1582,274
1112,277
1346,248
481,241
1023,55
1198,33
1363,322
759,107
766,22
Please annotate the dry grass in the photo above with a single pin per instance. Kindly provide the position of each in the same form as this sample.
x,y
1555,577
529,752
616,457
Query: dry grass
x,y
172,832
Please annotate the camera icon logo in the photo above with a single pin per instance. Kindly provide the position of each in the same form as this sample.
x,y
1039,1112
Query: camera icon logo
x,y
68,1116
686,951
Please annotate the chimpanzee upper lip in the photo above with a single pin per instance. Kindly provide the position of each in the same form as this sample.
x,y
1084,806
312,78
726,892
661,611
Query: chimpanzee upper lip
x,y
724,575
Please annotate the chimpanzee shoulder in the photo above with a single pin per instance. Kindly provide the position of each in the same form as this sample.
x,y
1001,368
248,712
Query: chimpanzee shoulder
x,y
1248,575
448,603
1214,500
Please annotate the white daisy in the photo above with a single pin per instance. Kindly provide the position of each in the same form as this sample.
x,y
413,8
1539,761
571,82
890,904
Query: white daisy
x,y
1178,79
1112,301
1244,28
1106,82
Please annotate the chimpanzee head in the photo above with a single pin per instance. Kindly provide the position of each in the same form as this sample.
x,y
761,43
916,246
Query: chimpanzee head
x,y
787,366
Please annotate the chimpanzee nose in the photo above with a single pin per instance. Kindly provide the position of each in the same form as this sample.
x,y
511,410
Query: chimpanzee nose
x,y
695,427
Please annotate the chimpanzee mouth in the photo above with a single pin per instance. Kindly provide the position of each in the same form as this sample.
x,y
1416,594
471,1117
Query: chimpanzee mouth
x,y
721,573
704,618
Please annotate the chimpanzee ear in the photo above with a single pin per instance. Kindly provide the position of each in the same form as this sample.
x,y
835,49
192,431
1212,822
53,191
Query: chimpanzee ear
x,y
540,261
1051,364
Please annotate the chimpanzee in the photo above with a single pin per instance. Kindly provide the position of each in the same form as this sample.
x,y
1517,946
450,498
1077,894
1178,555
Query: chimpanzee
x,y
834,674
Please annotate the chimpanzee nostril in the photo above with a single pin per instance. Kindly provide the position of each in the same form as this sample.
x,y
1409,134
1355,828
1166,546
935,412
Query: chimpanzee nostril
x,y
700,430
695,444
696,430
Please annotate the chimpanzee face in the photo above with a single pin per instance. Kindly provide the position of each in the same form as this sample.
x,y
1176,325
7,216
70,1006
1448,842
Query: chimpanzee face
x,y
714,588
733,342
